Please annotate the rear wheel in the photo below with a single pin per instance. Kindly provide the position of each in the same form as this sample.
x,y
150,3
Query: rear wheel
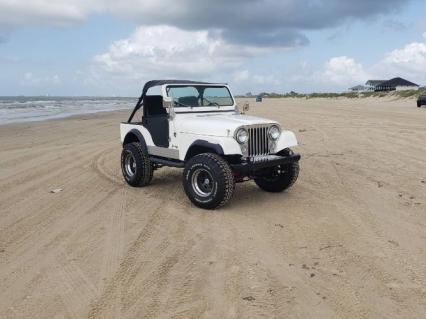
x,y
208,181
279,178
136,165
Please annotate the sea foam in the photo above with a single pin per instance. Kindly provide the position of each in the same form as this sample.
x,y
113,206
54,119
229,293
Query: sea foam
x,y
26,109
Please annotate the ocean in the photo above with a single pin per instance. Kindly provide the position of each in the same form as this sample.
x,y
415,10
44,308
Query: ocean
x,y
15,109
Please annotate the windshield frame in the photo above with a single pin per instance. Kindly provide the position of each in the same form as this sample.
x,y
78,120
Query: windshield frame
x,y
202,108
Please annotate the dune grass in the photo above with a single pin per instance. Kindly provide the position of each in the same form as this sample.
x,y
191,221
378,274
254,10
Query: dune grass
x,y
412,94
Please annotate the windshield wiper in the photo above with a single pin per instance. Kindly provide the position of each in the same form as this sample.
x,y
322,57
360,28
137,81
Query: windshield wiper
x,y
210,102
181,104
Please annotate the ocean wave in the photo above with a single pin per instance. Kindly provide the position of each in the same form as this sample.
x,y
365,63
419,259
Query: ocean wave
x,y
24,109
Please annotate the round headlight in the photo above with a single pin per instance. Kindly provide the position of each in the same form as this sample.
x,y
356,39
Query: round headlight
x,y
242,136
274,132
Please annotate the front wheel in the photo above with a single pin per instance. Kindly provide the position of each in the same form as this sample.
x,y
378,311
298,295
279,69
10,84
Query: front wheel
x,y
278,179
208,181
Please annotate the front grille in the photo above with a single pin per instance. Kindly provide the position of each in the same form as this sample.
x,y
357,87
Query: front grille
x,y
258,144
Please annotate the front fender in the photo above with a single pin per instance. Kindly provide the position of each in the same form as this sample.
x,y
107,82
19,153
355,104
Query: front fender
x,y
228,144
287,140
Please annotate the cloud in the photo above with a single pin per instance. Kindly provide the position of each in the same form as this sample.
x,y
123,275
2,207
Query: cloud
x,y
168,52
45,12
29,79
409,61
344,71
255,80
412,55
164,51
216,40
277,23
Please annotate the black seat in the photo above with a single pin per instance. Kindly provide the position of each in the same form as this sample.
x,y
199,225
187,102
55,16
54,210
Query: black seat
x,y
156,120
153,105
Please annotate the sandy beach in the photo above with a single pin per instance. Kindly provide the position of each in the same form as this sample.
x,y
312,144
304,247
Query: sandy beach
x,y
347,241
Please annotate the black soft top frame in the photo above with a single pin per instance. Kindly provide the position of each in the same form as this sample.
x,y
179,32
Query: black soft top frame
x,y
153,83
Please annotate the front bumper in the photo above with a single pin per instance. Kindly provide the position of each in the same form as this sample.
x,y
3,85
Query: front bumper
x,y
256,164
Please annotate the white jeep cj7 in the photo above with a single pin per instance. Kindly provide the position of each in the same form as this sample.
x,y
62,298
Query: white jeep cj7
x,y
198,127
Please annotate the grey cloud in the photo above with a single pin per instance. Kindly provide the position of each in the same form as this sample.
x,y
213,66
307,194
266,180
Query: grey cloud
x,y
272,23
266,38
258,22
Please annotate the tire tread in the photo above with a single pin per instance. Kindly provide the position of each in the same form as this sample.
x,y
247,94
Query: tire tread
x,y
229,177
144,177
225,173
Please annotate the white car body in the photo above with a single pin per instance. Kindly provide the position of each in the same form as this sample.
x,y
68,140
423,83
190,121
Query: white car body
x,y
211,124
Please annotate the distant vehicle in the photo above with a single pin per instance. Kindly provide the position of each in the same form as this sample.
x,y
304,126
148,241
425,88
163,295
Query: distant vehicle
x,y
421,100
198,127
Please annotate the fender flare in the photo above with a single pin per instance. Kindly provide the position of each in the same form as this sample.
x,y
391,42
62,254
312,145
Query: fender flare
x,y
139,136
217,148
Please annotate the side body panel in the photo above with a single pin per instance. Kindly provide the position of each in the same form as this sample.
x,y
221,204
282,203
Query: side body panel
x,y
152,148
126,128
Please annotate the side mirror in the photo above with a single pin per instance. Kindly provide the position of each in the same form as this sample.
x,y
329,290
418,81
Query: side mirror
x,y
243,108
167,104
246,107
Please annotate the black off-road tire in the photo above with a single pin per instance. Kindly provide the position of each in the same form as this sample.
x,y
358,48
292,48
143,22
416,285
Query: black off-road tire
x,y
419,104
142,167
221,188
287,176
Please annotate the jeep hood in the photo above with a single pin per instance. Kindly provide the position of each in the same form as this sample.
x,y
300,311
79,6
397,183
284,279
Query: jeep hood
x,y
221,124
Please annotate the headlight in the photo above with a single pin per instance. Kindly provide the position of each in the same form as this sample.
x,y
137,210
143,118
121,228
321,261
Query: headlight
x,y
242,136
274,132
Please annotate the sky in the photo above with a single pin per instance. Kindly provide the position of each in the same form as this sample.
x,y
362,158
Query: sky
x,y
110,48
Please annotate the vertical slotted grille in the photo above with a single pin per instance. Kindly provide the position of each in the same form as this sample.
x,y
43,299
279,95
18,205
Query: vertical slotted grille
x,y
258,141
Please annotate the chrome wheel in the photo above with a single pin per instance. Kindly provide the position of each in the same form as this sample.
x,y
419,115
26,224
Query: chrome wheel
x,y
202,182
130,164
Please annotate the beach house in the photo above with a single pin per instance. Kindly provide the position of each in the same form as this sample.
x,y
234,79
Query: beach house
x,y
396,84
358,88
371,84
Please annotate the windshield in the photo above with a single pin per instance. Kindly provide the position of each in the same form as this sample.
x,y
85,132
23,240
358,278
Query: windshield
x,y
199,95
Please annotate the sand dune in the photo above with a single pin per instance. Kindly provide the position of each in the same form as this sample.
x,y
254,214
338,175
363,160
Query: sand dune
x,y
347,241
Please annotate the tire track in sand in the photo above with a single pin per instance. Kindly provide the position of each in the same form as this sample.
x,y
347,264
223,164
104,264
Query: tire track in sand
x,y
76,289
98,165
127,266
113,248
156,282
